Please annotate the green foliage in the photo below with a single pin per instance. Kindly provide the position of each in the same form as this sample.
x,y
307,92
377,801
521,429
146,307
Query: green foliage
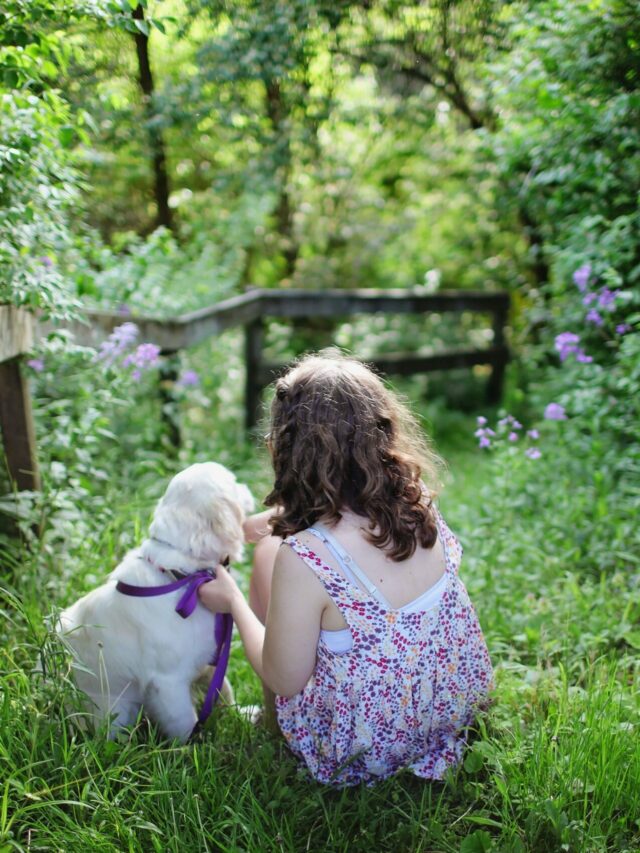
x,y
37,183
550,767
436,144
157,272
569,146
37,189
299,156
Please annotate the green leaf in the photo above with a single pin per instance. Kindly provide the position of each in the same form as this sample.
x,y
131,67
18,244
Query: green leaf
x,y
66,135
473,762
49,68
478,842
143,26
632,638
481,820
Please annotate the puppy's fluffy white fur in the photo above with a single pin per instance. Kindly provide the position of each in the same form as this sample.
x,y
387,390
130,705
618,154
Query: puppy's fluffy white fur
x,y
138,652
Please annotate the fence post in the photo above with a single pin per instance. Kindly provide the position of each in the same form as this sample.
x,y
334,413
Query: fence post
x,y
169,369
16,423
496,380
254,336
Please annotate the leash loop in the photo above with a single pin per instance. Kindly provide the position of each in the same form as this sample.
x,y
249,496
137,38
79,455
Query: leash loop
x,y
222,627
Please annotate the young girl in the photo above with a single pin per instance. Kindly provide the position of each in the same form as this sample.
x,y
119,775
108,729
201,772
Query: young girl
x,y
371,644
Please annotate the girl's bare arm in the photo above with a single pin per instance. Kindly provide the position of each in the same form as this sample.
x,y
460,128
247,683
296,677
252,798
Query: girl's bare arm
x,y
283,653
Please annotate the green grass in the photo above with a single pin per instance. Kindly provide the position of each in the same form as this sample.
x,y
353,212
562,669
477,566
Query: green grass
x,y
553,766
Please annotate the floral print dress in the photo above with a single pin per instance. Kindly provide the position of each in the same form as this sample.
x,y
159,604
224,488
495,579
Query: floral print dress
x,y
402,696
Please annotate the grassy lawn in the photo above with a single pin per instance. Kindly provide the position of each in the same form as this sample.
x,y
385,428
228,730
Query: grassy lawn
x,y
553,766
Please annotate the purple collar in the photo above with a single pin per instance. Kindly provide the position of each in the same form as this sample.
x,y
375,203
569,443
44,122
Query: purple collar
x,y
223,627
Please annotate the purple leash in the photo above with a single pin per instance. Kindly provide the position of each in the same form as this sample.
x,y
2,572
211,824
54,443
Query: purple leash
x,y
222,630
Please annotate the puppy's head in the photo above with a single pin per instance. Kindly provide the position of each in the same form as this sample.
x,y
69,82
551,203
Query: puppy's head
x,y
202,512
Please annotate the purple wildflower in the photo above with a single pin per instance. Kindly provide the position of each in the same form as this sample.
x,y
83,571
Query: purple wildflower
x,y
623,328
607,297
594,317
513,436
555,412
144,357
123,309
36,364
581,277
509,420
533,433
589,298
533,452
187,378
118,341
46,261
566,343
125,334
484,442
481,421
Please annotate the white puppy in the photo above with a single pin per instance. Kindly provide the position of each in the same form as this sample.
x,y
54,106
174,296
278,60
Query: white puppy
x,y
138,652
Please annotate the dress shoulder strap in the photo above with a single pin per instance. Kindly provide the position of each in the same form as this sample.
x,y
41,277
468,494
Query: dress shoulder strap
x,y
350,568
350,599
450,542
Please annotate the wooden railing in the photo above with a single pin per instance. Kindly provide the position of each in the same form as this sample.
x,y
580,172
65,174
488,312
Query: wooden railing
x,y
340,303
250,310
16,422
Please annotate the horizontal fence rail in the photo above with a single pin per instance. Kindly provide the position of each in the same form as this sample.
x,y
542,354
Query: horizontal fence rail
x,y
298,304
173,334
249,310
252,308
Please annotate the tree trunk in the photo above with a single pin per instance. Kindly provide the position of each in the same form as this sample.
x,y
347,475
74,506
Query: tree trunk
x,y
538,261
276,110
156,142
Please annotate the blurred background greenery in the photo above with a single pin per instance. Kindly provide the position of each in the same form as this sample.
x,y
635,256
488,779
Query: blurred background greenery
x,y
160,156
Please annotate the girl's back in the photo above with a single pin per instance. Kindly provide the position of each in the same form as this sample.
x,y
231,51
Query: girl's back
x,y
399,583
401,661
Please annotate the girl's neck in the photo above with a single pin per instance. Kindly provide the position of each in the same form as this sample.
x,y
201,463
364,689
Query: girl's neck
x,y
352,519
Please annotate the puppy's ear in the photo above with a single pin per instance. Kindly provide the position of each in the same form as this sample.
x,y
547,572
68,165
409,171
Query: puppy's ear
x,y
202,513
245,498
208,537
218,533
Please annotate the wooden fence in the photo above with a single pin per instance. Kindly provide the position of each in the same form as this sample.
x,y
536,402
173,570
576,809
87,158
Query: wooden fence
x,y
16,422
250,310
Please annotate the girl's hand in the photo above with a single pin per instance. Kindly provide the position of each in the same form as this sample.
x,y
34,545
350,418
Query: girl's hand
x,y
219,595
257,526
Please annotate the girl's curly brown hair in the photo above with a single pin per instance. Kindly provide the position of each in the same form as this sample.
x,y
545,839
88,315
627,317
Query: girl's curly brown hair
x,y
341,440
